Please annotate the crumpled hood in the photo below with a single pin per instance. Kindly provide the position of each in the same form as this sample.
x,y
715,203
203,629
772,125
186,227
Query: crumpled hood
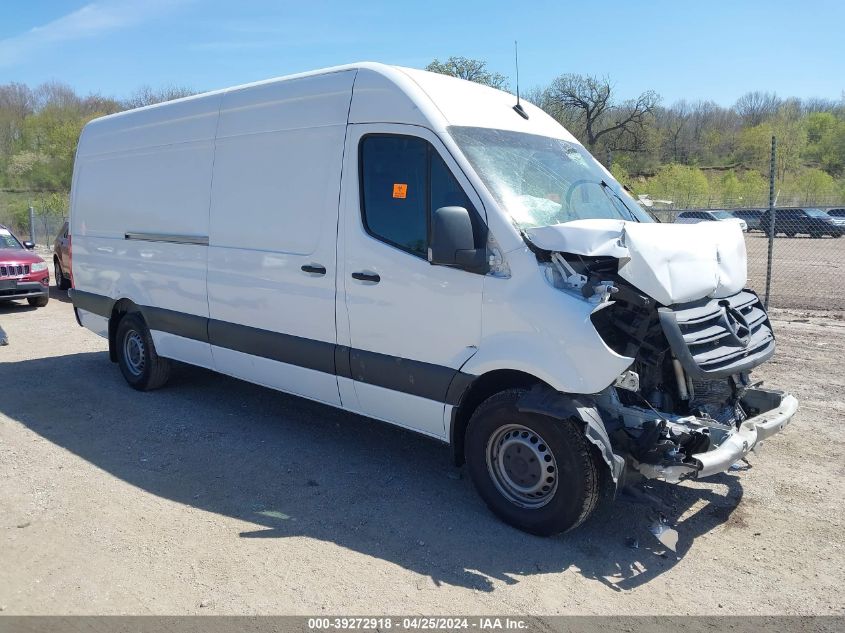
x,y
672,263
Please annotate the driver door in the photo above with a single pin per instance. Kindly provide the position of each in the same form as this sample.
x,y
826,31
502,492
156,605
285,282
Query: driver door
x,y
410,325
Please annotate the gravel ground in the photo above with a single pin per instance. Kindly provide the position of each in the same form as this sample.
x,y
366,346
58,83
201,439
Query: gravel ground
x,y
216,496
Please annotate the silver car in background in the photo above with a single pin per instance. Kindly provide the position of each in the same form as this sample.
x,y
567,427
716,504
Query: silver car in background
x,y
718,215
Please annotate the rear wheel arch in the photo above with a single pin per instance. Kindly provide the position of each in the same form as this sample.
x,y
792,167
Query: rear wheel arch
x,y
139,363
121,308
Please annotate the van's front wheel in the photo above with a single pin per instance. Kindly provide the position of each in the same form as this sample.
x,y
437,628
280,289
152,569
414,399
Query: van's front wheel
x,y
139,363
535,472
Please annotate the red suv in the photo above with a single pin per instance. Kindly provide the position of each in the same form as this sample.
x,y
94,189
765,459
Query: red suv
x,y
23,275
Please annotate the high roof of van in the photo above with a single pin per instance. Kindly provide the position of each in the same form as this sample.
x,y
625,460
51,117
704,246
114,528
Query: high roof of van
x,y
380,94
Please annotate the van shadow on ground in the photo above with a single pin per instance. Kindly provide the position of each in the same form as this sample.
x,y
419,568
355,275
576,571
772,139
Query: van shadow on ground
x,y
294,468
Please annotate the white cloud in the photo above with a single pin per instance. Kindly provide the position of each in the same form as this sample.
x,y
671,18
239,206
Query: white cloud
x,y
88,21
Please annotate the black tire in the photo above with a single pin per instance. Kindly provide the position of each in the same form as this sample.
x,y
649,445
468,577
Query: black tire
x,y
38,302
139,363
576,489
62,283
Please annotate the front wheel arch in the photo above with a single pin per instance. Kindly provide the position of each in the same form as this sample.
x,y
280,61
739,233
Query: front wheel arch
x,y
543,399
570,491
478,391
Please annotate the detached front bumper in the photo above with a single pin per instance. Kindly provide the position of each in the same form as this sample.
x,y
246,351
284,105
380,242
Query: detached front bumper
x,y
776,409
750,433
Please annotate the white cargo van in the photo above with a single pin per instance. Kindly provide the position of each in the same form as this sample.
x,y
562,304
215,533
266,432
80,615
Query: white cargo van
x,y
416,249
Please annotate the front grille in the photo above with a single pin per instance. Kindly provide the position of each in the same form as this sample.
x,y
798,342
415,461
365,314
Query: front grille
x,y
714,338
13,270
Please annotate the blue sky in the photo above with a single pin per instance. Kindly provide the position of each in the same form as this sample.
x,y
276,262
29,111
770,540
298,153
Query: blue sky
x,y
696,50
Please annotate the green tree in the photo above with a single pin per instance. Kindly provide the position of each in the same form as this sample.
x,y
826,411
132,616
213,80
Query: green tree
x,y
730,190
826,141
811,186
684,186
620,173
753,189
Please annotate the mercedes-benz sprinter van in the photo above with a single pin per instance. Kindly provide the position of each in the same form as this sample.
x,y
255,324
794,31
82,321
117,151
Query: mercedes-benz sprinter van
x,y
416,249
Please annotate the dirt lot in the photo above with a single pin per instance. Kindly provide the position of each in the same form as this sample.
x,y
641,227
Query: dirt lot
x,y
216,496
807,273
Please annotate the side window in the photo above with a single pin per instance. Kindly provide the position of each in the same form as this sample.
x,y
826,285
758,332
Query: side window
x,y
403,180
394,195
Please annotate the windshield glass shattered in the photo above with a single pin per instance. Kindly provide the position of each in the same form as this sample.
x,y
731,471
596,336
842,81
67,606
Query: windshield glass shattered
x,y
541,181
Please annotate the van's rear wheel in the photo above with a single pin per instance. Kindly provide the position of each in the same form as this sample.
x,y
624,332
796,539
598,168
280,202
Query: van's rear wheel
x,y
139,363
535,472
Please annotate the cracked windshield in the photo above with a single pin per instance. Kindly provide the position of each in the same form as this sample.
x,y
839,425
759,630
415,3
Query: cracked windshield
x,y
541,181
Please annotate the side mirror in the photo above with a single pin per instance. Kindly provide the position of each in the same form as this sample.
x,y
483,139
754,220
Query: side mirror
x,y
452,241
29,245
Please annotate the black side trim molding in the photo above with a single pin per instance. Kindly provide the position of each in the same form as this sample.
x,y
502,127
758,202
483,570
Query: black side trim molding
x,y
458,387
342,367
90,302
401,374
178,323
416,378
294,350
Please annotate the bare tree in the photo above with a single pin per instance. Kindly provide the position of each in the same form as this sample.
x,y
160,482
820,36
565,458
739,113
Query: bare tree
x,y
589,100
755,107
55,94
469,69
16,103
95,104
146,95
674,121
818,104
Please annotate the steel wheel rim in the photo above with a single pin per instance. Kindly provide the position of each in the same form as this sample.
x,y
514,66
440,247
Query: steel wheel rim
x,y
134,353
522,466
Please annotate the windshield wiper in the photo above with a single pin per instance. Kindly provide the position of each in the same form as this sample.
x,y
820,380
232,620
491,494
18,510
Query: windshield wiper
x,y
606,187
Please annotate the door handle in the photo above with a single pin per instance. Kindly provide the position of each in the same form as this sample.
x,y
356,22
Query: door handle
x,y
371,277
314,268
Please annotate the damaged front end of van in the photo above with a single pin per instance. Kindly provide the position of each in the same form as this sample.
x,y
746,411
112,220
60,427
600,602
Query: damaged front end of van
x,y
672,299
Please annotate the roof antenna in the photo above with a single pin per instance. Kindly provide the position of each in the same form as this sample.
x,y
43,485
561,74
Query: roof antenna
x,y
518,107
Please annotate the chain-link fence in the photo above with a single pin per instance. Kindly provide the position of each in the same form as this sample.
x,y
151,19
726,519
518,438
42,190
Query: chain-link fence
x,y
43,230
807,253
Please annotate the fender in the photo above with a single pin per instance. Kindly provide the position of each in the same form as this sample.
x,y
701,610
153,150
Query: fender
x,y
545,401
527,354
532,327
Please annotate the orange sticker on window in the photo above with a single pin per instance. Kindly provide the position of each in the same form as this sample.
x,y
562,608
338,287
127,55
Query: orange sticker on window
x,y
400,190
